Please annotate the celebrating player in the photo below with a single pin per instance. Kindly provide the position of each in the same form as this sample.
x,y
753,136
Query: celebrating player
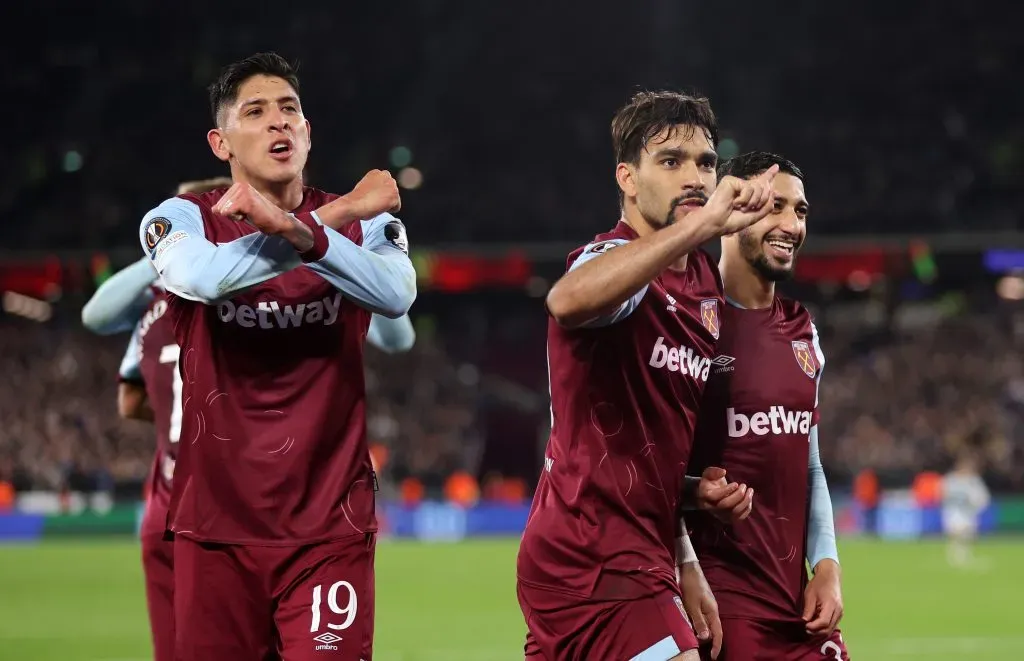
x,y
150,390
273,498
759,422
632,330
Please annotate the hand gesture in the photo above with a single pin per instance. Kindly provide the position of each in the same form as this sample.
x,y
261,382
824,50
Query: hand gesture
x,y
823,600
375,194
737,203
701,606
244,203
730,502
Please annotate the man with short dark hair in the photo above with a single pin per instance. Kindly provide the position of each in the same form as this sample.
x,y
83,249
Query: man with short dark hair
x,y
270,288
758,421
632,331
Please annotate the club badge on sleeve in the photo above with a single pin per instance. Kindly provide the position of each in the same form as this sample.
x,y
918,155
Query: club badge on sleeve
x,y
805,358
709,316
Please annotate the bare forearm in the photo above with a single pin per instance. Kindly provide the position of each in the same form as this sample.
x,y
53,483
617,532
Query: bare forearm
x,y
601,285
340,212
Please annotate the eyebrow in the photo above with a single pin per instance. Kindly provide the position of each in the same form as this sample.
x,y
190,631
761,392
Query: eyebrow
x,y
288,98
676,152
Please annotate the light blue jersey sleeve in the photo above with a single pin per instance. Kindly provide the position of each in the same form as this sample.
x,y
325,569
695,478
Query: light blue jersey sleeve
x,y
593,251
391,335
129,370
194,268
120,301
378,275
821,529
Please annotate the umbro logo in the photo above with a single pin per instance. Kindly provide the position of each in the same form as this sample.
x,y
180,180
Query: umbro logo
x,y
327,641
723,363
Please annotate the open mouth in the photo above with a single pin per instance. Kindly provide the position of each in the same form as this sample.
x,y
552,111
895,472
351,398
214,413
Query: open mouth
x,y
781,248
281,150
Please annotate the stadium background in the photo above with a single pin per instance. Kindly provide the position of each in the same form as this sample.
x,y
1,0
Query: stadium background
x,y
906,118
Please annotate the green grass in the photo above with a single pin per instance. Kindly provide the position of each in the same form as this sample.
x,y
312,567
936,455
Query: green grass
x,y
83,600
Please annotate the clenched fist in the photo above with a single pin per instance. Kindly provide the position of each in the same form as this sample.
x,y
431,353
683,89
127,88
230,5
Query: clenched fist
x,y
376,193
738,203
243,202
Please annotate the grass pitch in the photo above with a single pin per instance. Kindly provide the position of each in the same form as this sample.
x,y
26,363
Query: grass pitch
x,y
82,600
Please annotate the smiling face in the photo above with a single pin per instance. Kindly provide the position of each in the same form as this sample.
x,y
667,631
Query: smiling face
x,y
262,132
771,244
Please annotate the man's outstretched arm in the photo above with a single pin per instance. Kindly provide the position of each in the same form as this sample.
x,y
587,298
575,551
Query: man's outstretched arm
x,y
391,335
118,303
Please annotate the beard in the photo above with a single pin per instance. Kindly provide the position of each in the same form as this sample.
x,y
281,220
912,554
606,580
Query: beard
x,y
670,217
750,248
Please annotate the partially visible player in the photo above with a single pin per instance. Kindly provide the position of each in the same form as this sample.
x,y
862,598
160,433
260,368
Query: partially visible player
x,y
758,421
149,390
118,303
632,331
964,497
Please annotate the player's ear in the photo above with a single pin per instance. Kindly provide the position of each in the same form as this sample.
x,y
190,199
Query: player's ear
x,y
625,177
218,144
309,134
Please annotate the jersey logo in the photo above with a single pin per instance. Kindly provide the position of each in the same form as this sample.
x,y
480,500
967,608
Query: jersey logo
x,y
722,363
776,420
805,358
395,233
680,359
156,230
601,248
671,307
709,316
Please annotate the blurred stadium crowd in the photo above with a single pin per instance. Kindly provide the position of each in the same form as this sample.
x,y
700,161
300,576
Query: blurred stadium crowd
x,y
903,394
509,149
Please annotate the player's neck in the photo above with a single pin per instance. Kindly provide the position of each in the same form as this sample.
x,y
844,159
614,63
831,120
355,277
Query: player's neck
x,y
746,286
286,196
632,217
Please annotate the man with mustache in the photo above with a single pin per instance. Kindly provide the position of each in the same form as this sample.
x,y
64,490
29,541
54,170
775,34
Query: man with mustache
x,y
632,330
759,422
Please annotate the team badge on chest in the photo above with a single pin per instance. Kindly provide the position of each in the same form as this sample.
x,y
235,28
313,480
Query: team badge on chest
x,y
805,358
709,316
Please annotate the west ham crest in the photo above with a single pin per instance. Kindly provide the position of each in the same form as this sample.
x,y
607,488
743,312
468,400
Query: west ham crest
x,y
709,316
805,358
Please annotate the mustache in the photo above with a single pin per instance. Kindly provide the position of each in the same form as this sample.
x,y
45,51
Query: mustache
x,y
692,195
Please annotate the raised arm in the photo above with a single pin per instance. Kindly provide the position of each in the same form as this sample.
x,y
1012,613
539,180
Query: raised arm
x,y
194,268
600,287
377,275
391,335
118,303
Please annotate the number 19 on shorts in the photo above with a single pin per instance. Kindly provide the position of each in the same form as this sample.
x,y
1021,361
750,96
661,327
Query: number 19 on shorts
x,y
348,607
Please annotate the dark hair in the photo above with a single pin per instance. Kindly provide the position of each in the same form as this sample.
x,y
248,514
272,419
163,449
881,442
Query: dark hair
x,y
649,113
754,163
224,90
